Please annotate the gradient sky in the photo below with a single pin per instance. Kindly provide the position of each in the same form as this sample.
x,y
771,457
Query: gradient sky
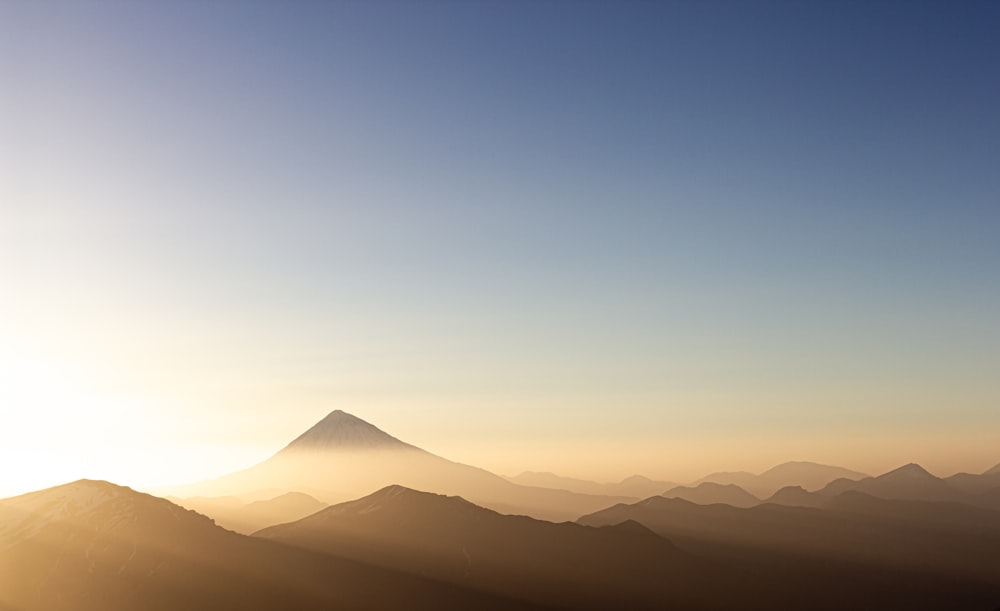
x,y
594,238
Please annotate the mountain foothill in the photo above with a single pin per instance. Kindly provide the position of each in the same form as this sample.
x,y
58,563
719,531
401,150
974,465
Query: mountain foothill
x,y
346,516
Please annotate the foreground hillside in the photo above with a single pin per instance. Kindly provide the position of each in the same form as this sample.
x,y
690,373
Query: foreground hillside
x,y
95,546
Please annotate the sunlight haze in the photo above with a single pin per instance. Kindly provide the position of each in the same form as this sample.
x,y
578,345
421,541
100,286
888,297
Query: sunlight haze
x,y
597,239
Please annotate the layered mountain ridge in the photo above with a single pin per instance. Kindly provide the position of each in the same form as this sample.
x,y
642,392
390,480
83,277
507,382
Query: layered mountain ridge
x,y
95,546
342,457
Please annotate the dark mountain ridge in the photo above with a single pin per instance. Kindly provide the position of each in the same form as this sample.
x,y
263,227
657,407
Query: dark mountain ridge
x,y
874,548
448,538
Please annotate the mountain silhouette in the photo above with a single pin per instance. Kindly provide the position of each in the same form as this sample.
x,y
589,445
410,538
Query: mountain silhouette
x,y
343,457
246,518
635,486
808,475
448,538
975,484
797,496
707,493
94,546
909,482
342,431
879,553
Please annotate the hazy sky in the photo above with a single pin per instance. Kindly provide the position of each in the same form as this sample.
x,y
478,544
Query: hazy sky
x,y
595,238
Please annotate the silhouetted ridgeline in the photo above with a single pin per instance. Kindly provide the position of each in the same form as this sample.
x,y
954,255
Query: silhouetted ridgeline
x,y
94,546
902,540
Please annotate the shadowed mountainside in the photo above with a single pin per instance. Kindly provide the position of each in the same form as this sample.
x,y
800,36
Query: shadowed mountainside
x,y
808,475
909,482
976,484
904,553
95,546
246,518
343,457
708,493
634,486
448,538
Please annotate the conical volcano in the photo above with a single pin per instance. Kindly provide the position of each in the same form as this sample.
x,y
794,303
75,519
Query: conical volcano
x,y
342,431
342,457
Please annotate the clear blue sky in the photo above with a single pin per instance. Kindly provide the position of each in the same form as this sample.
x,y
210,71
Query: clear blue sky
x,y
532,223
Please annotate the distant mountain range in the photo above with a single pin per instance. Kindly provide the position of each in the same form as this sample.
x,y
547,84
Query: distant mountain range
x,y
449,539
235,514
905,539
808,475
343,457
709,493
635,486
913,482
881,554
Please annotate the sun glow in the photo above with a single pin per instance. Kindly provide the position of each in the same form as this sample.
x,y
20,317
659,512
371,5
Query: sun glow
x,y
57,427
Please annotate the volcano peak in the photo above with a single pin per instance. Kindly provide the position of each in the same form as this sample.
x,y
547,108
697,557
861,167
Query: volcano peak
x,y
340,430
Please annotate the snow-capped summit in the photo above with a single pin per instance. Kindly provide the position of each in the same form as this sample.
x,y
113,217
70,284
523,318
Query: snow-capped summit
x,y
342,431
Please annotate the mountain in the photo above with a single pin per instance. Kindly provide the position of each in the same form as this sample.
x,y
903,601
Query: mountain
x,y
343,457
450,539
95,546
880,554
642,487
909,482
808,475
708,493
971,483
635,486
797,496
345,431
736,478
247,518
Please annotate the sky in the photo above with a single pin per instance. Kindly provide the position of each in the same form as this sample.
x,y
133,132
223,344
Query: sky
x,y
596,238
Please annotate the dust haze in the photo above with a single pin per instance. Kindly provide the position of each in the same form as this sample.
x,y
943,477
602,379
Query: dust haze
x,y
348,516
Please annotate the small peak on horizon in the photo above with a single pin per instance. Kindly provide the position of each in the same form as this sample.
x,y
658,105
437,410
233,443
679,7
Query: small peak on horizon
x,y
637,479
712,486
393,490
398,493
633,527
85,483
909,470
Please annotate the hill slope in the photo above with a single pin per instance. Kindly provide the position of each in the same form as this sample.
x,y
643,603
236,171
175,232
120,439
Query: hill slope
x,y
453,540
95,546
